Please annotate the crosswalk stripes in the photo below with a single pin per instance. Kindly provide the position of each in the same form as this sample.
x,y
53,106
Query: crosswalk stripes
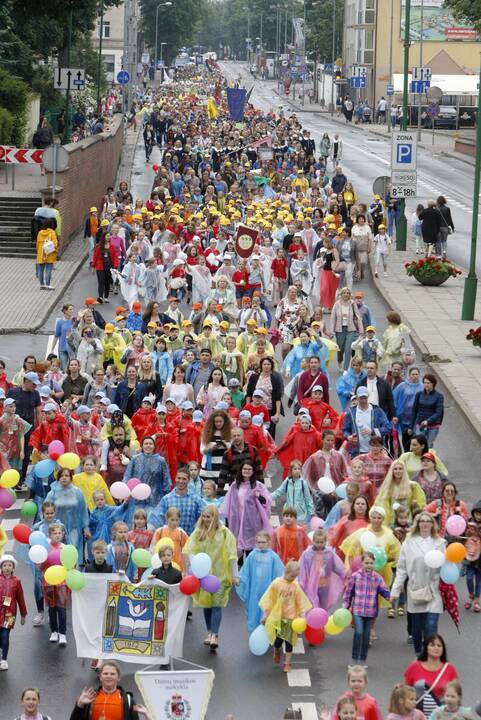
x,y
299,677
308,710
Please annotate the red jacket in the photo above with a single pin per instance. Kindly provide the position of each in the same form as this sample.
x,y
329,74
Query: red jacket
x,y
47,431
98,261
11,588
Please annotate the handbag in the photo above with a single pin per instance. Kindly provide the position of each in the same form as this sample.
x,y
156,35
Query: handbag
x,y
176,283
450,230
339,266
420,595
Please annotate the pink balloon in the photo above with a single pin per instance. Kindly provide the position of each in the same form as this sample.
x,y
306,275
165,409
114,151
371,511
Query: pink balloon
x,y
53,557
210,583
356,564
455,525
141,491
132,483
316,523
56,447
317,618
119,490
6,499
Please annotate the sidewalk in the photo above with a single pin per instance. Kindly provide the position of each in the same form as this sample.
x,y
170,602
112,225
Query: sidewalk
x,y
24,308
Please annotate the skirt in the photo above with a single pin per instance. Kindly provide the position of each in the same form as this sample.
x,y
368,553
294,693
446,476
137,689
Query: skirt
x,y
329,286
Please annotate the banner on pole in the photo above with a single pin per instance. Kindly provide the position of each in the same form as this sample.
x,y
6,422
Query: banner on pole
x,y
236,98
176,694
245,241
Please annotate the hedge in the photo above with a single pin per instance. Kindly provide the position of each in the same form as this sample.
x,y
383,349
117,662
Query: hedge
x,y
14,97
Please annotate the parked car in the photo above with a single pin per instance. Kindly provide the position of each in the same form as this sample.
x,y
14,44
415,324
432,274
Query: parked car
x,y
446,118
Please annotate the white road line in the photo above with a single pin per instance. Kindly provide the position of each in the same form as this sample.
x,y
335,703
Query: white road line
x,y
9,546
308,710
9,523
299,677
299,648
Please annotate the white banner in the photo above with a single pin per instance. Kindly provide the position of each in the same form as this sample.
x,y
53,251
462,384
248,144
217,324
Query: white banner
x,y
176,694
115,620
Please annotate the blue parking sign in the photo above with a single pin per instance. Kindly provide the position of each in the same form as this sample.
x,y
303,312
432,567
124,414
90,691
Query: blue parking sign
x,y
404,153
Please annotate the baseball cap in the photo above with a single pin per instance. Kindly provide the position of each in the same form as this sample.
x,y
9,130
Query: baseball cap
x,y
83,409
50,407
429,456
119,318
221,406
109,328
258,420
258,393
45,391
105,400
100,393
113,408
358,294
186,405
2,394
33,377
251,322
152,324
207,323
233,382
318,388
224,324
136,305
93,209
362,392
90,301
370,328
9,401
160,409
147,399
245,415
197,416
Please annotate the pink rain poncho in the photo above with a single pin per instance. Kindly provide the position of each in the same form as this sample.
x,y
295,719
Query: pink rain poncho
x,y
321,576
245,513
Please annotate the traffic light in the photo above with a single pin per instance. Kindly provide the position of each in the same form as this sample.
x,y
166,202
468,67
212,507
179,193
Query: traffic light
x,y
337,75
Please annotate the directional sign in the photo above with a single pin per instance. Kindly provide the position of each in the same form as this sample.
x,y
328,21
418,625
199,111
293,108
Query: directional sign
x,y
358,82
123,77
19,156
390,90
419,87
358,71
403,153
422,73
69,79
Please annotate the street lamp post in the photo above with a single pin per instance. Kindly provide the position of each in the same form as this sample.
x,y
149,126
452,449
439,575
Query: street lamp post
x,y
333,53
161,48
401,225
163,4
248,48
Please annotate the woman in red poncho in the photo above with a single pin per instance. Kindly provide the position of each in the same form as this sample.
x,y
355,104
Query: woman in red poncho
x,y
165,440
301,442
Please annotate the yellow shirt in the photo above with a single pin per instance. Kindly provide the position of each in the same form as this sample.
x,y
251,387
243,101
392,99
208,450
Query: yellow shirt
x,y
89,484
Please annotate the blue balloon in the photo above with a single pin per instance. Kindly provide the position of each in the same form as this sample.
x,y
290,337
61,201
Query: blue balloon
x,y
44,468
38,538
200,565
449,573
258,641
341,491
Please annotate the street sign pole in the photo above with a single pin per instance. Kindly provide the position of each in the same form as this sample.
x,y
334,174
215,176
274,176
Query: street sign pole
x,y
401,225
99,67
471,282
67,131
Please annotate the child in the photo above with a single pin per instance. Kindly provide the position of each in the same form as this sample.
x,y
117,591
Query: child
x,y
279,276
402,705
290,539
144,419
472,566
56,596
119,551
260,568
416,225
99,564
282,602
48,518
90,481
322,572
367,706
40,486
140,536
175,533
166,572
296,492
195,482
381,243
346,709
209,493
103,517
370,348
11,595
451,709
30,700
361,596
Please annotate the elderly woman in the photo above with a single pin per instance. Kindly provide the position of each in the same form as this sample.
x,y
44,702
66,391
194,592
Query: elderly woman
x,y
398,488
346,325
424,599
395,340
223,294
448,505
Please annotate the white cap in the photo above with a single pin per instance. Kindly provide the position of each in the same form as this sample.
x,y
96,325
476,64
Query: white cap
x,y
50,407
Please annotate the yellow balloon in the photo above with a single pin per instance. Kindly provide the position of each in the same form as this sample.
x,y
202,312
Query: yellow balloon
x,y
164,542
177,567
55,574
9,478
69,460
331,628
298,625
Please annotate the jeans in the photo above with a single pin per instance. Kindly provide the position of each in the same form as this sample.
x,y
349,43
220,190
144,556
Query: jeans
x,y
423,625
57,618
473,580
37,589
442,244
430,434
360,641
64,357
344,340
212,617
44,273
392,220
4,642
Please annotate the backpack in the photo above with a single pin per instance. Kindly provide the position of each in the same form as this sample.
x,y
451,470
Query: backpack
x,y
230,454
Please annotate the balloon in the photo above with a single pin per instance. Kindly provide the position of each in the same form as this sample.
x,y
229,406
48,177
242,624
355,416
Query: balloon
x,y
75,579
341,491
380,557
9,478
44,468
258,641
69,460
342,618
22,533
141,491
310,535
298,625
368,540
356,564
54,556
163,543
331,628
69,557
119,490
55,574
156,562
210,583
142,558
326,485
132,483
201,565
314,636
155,168
55,449
316,522
189,585
6,498
28,509
434,558
449,573
455,552
37,537
38,554
317,618
455,525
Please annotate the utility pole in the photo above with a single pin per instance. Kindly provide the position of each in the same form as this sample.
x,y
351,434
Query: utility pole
x,y
67,96
333,54
99,67
401,226
421,64
388,119
285,32
304,54
471,282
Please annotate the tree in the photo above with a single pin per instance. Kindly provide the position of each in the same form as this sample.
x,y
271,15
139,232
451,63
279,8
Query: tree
x,y
178,24
466,11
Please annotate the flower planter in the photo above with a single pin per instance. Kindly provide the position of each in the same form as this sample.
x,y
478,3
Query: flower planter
x,y
433,280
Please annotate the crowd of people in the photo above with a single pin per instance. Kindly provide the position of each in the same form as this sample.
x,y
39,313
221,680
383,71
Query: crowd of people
x,y
187,389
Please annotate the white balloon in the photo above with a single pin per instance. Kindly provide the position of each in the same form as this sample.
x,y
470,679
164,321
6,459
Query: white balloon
x,y
326,485
434,558
310,535
38,554
156,561
367,540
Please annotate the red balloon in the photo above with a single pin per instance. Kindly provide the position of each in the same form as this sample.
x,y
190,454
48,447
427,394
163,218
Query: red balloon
x,y
314,636
155,168
54,456
21,533
189,585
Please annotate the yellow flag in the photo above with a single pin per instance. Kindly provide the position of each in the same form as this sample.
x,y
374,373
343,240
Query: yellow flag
x,y
212,111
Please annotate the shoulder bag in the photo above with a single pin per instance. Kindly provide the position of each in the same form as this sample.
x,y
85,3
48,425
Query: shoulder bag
x,y
436,680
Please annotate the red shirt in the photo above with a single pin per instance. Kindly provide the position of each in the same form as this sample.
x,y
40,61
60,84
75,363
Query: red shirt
x,y
416,671
279,268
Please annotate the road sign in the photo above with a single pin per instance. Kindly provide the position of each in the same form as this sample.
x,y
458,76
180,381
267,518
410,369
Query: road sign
x,y
401,191
381,185
123,77
19,156
145,59
339,62
358,82
328,67
390,90
422,73
419,87
55,157
403,153
358,71
69,79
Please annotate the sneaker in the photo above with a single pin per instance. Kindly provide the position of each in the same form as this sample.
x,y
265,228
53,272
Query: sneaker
x,y
49,287
3,665
62,640
100,301
38,619
106,300
53,637
410,640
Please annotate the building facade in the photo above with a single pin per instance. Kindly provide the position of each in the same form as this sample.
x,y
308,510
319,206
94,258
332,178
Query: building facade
x,y
115,39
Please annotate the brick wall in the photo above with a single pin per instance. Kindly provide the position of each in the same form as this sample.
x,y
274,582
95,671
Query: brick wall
x,y
92,168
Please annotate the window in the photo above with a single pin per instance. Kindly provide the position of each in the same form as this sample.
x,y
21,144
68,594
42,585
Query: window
x,y
109,63
105,27
366,12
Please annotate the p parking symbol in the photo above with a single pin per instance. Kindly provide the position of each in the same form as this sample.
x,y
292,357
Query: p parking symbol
x,y
404,153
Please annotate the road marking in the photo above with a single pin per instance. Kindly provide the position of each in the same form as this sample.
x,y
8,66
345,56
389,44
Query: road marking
x,y
299,648
299,677
9,523
308,710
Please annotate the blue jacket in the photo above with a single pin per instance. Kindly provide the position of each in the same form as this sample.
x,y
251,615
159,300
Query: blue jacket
x,y
193,371
428,406
121,395
379,422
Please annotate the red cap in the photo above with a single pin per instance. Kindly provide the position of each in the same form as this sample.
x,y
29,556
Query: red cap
x,y
90,301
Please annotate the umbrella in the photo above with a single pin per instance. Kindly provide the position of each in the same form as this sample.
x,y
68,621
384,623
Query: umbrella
x,y
449,595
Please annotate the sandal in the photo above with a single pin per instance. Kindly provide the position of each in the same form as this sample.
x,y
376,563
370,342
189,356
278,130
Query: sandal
x,y
468,603
401,611
287,667
208,639
391,613
476,606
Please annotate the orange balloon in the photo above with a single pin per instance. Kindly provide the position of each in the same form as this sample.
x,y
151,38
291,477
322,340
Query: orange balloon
x,y
455,552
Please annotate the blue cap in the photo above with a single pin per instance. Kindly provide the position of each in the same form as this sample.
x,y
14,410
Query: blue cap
x,y
33,377
83,409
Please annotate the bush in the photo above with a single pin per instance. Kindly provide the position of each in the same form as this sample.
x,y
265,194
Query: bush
x,y
6,126
14,94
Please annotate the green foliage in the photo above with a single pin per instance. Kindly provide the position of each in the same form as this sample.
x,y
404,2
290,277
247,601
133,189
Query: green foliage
x,y
6,126
178,25
14,95
467,11
319,29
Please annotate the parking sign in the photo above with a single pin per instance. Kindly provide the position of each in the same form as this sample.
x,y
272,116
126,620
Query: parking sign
x,y
403,155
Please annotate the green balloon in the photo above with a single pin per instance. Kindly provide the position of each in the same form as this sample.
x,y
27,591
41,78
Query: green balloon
x,y
69,556
380,558
342,618
142,558
75,579
28,509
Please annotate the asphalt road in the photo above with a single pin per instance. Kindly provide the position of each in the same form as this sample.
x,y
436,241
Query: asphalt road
x,y
245,685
